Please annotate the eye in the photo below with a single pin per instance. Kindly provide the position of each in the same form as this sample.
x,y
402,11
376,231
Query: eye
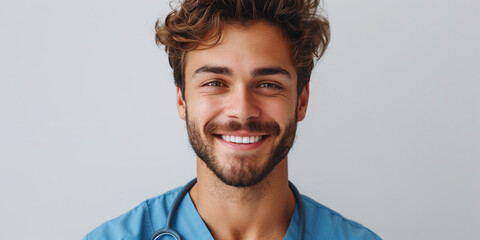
x,y
215,84
268,85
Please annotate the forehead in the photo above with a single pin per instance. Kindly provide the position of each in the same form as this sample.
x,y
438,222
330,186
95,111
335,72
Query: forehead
x,y
258,44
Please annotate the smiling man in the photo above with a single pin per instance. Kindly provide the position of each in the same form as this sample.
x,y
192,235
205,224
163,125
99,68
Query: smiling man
x,y
242,70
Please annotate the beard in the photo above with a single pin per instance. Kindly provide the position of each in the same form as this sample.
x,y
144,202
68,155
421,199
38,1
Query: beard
x,y
241,170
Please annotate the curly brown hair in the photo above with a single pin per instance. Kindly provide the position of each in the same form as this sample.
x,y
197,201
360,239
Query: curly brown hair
x,y
199,21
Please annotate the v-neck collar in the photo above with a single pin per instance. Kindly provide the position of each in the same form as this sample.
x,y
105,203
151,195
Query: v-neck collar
x,y
190,225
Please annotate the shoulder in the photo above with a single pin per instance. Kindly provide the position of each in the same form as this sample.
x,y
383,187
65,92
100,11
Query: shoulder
x,y
137,223
324,223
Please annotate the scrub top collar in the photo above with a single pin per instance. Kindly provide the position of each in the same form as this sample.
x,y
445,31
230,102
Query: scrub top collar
x,y
190,225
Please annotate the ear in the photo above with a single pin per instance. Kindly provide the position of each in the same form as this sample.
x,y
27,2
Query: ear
x,y
303,102
180,104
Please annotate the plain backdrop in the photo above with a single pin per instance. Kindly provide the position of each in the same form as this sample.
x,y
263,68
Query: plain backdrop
x,y
89,127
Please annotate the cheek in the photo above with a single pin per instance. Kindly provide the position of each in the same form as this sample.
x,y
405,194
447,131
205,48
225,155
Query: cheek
x,y
202,110
282,111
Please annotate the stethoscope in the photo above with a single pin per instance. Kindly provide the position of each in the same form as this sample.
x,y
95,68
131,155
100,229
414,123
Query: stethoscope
x,y
169,231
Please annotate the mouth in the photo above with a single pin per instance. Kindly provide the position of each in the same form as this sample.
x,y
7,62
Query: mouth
x,y
241,139
242,142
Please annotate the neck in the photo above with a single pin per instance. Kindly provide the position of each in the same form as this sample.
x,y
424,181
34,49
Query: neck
x,y
262,211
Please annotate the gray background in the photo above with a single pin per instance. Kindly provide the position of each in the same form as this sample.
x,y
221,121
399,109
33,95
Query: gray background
x,y
89,128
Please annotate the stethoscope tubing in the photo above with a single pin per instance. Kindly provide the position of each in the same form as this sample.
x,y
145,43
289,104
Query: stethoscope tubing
x,y
168,230
301,210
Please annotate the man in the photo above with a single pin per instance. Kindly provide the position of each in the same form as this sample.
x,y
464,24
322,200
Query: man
x,y
242,69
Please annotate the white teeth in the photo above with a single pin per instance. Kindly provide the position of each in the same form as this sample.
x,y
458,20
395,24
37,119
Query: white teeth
x,y
244,140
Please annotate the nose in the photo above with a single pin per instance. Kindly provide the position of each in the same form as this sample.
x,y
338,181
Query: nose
x,y
242,105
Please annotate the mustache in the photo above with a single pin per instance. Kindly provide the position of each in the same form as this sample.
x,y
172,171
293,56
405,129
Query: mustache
x,y
269,127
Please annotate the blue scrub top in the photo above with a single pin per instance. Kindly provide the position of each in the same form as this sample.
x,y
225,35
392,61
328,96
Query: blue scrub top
x,y
151,215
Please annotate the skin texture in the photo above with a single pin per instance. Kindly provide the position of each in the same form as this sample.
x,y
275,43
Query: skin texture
x,y
244,86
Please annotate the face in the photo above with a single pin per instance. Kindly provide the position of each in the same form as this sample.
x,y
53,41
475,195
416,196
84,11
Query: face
x,y
241,103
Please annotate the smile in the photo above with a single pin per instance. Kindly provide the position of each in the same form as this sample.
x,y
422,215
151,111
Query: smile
x,y
243,140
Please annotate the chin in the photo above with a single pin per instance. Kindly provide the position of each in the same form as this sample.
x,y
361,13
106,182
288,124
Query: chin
x,y
243,171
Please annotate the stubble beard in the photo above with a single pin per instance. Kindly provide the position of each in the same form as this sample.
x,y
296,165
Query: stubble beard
x,y
240,172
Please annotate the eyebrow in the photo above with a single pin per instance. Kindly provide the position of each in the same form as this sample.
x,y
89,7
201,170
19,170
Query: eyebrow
x,y
213,69
266,71
258,72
